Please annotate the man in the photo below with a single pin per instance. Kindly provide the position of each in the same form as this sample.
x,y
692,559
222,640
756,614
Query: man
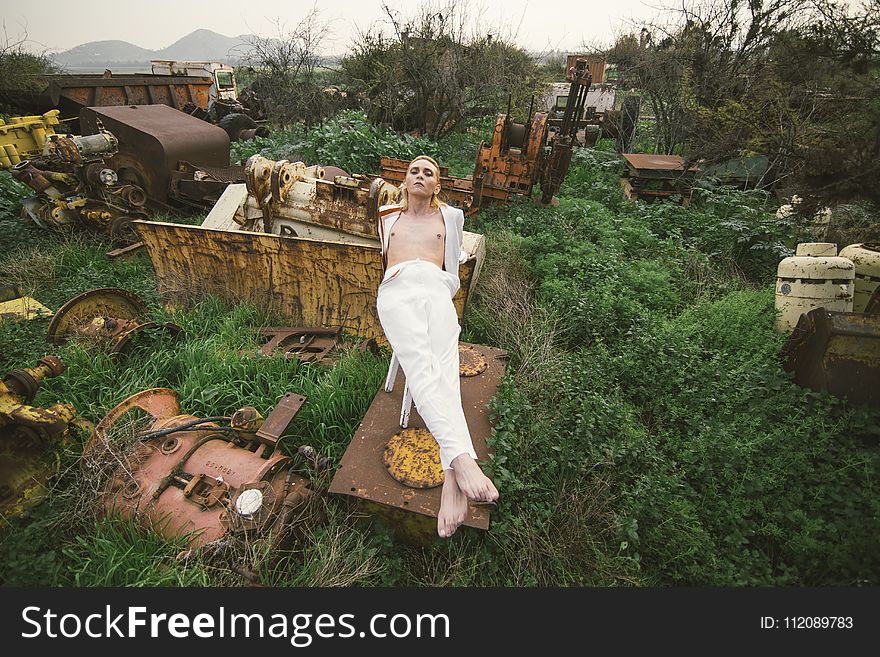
x,y
421,242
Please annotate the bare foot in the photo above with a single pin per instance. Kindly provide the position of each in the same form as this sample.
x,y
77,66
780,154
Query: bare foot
x,y
453,506
472,481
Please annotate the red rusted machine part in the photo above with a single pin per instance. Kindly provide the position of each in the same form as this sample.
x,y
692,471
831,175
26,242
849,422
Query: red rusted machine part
x,y
193,478
105,315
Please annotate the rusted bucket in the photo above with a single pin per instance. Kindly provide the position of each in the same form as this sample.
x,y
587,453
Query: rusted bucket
x,y
838,352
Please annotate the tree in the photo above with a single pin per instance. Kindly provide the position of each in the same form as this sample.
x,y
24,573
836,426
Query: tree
x,y
288,85
20,69
436,69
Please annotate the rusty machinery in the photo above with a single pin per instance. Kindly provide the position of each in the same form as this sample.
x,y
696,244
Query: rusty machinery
x,y
30,436
301,343
518,157
838,352
207,478
556,163
295,200
76,187
106,316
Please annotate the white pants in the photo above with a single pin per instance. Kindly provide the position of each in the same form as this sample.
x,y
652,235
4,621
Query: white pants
x,y
418,317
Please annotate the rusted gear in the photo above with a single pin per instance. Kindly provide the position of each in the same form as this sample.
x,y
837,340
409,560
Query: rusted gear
x,y
108,302
470,361
412,457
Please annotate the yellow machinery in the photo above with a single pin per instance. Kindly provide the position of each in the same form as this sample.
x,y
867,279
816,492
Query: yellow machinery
x,y
30,437
23,137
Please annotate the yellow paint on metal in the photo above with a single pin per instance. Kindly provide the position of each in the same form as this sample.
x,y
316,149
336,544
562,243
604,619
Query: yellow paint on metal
x,y
308,282
24,307
23,137
413,458
470,361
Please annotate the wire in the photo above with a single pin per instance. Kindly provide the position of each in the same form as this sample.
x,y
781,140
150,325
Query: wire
x,y
187,425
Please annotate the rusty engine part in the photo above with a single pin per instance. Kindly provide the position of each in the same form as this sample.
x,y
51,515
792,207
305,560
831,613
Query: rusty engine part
x,y
295,200
30,437
838,352
76,188
305,344
107,316
194,477
396,473
153,142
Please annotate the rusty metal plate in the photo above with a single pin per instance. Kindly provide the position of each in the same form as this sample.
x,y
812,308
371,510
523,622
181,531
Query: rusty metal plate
x,y
470,361
308,281
362,472
303,343
280,418
412,457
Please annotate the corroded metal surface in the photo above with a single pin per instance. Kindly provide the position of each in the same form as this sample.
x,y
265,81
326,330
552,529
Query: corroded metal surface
x,y
307,281
302,343
412,457
79,312
71,93
838,352
362,472
153,140
191,477
106,316
30,437
470,361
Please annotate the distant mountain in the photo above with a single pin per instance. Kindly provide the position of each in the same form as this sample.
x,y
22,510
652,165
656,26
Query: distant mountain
x,y
207,45
199,45
100,52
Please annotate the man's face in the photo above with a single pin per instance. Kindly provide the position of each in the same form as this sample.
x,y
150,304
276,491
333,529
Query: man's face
x,y
422,179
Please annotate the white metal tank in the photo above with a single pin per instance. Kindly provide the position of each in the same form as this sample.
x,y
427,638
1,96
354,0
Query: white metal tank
x,y
813,278
866,258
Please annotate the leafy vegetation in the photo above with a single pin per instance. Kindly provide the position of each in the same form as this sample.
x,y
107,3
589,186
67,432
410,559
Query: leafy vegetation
x,y
645,433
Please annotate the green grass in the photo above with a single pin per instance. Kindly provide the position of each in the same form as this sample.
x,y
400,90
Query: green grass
x,y
645,433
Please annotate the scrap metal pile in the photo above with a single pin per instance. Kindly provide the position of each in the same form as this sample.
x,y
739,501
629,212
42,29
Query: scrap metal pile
x,y
520,156
76,187
831,304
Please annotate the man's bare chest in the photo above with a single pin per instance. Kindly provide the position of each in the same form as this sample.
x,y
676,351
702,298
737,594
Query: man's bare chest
x,y
420,234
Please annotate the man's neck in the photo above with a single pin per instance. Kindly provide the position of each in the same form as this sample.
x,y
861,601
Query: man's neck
x,y
419,207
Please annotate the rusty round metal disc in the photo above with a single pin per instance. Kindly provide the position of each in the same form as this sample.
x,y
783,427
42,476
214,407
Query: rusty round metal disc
x,y
470,361
82,309
412,457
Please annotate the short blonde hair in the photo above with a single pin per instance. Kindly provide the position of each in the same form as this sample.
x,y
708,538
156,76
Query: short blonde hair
x,y
436,203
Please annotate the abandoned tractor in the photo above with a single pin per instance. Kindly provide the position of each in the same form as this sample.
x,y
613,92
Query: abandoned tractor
x,y
214,480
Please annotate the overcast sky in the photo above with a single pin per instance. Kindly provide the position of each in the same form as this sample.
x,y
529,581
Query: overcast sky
x,y
154,24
